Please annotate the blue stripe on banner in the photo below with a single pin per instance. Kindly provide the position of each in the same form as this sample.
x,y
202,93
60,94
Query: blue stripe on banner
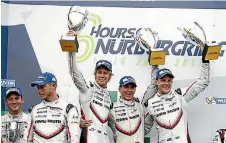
x,y
134,4
19,63
4,45
22,63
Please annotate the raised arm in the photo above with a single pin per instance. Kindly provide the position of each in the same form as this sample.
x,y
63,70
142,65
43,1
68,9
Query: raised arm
x,y
73,69
198,85
76,75
148,120
148,123
152,88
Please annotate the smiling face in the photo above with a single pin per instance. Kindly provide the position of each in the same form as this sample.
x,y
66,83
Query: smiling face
x,y
102,76
127,91
164,84
14,103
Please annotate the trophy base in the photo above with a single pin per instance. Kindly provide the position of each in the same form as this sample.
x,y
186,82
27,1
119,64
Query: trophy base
x,y
69,44
211,52
157,57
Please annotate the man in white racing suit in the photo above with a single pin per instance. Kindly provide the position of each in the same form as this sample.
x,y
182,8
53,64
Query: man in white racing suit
x,y
53,120
94,99
15,116
127,115
168,107
220,136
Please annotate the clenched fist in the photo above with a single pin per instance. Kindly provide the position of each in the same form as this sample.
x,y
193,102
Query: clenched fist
x,y
71,33
85,123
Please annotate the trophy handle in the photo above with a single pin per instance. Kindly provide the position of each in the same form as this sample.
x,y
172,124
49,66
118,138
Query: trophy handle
x,y
155,36
209,52
68,19
153,33
69,10
197,24
187,34
134,35
146,38
183,33
84,21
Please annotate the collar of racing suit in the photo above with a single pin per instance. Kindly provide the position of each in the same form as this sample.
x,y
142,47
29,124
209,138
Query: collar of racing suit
x,y
98,86
15,116
164,95
51,102
126,102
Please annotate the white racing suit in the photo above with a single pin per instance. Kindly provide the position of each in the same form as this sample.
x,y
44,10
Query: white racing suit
x,y
53,122
220,136
95,102
127,121
21,120
169,111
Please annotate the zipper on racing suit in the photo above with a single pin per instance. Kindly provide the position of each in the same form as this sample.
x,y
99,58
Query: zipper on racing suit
x,y
102,132
172,135
127,106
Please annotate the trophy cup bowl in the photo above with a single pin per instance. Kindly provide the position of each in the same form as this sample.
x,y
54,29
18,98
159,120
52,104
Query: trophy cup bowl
x,y
146,38
196,35
77,19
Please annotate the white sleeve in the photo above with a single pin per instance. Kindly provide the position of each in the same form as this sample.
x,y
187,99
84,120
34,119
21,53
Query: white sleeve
x,y
28,131
152,88
73,120
197,86
76,75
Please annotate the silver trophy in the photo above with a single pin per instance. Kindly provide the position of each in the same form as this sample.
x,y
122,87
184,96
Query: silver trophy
x,y
77,19
196,35
13,131
148,39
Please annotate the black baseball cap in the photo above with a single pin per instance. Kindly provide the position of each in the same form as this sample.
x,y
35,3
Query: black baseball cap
x,y
13,90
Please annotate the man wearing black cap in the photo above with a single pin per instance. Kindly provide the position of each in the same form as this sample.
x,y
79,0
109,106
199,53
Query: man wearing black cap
x,y
127,115
168,107
94,99
53,120
15,116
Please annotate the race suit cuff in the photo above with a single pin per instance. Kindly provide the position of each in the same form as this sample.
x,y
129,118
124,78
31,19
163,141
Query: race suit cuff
x,y
203,55
205,61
